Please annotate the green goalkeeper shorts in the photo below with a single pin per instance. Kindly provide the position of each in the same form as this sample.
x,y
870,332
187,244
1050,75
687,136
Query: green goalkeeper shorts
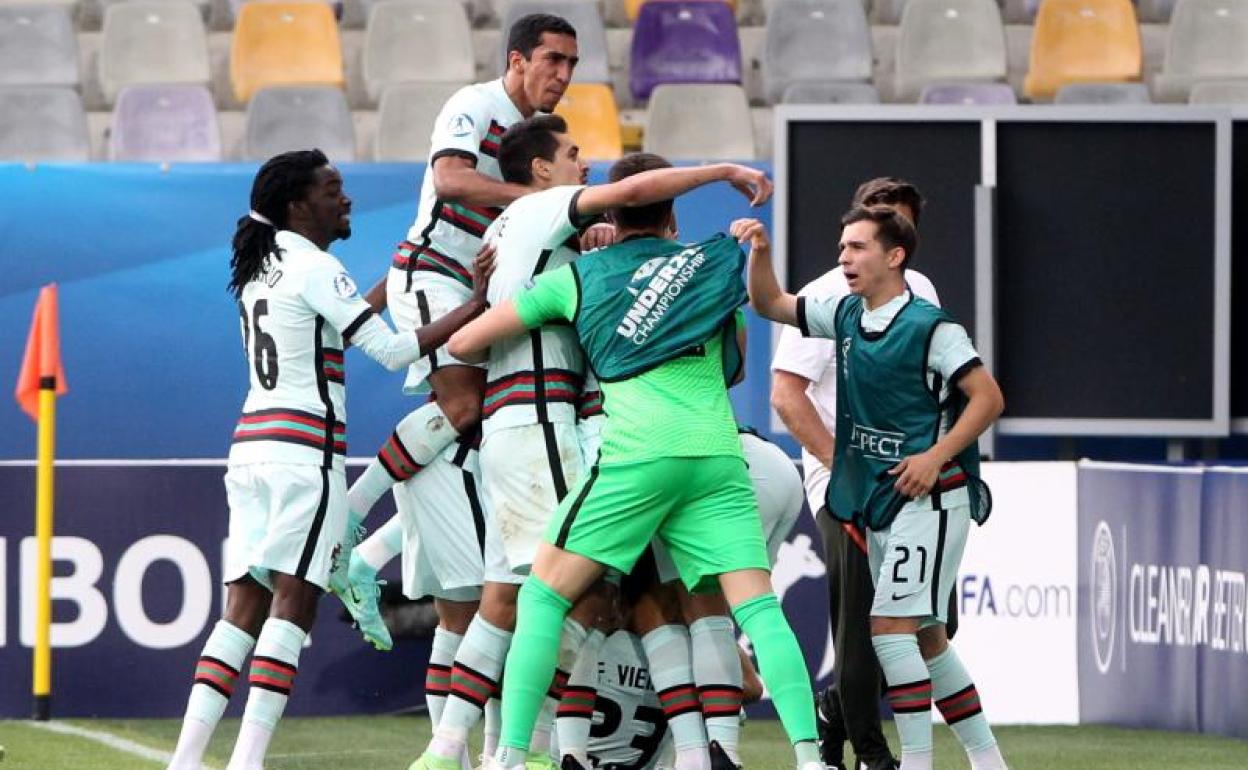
x,y
702,508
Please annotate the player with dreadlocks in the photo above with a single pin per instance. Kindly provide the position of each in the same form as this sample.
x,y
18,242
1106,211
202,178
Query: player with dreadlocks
x,y
286,483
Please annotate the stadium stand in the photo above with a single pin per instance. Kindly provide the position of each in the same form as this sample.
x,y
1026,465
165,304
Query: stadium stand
x,y
406,118
815,40
295,117
684,41
591,34
445,44
284,44
593,120
1219,92
830,93
677,128
42,123
949,40
38,46
967,93
1081,41
164,123
152,42
1208,41
1103,93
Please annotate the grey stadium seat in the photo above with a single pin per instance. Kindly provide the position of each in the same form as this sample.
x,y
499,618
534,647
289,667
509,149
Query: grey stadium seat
x,y
678,129
1208,40
591,34
406,118
812,92
297,118
417,40
38,46
152,41
949,40
42,124
1219,92
815,40
1103,93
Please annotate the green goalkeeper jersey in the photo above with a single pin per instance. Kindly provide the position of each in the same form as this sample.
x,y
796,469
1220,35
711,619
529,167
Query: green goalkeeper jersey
x,y
679,408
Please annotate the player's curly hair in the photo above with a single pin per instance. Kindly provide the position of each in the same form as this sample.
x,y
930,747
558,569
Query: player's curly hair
x,y
280,181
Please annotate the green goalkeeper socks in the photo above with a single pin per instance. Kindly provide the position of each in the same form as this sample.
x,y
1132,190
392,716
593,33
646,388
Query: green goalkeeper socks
x,y
530,665
780,663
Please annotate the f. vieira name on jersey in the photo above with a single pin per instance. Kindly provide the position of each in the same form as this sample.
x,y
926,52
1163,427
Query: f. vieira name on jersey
x,y
665,285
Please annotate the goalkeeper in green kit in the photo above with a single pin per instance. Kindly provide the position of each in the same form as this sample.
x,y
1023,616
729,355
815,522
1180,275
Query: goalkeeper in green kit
x,y
656,319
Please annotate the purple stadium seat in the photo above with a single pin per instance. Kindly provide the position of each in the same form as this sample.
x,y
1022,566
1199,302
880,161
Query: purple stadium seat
x,y
968,93
164,123
684,41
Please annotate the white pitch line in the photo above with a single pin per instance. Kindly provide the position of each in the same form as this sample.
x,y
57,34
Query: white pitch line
x,y
107,739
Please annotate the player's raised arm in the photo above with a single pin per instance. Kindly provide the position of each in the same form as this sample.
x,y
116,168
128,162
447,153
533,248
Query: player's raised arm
x,y
766,297
666,183
456,180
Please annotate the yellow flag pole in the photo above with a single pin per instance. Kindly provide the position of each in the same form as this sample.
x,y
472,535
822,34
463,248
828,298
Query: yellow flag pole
x,y
43,534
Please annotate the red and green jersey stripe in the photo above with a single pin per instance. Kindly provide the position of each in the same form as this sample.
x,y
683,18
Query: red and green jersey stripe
x,y
720,700
272,674
558,386
961,705
397,461
409,256
471,219
216,674
291,426
489,144
333,366
681,699
437,680
472,686
589,405
951,477
910,698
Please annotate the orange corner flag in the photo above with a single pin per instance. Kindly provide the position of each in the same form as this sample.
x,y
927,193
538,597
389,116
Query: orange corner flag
x,y
41,366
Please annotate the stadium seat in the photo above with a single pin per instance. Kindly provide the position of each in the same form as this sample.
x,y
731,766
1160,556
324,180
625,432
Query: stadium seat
x,y
233,7
298,117
437,29
279,43
699,122
41,123
967,93
1082,41
949,40
831,93
203,6
1208,40
406,118
593,120
815,40
1103,93
164,123
591,33
1219,92
633,7
148,41
38,46
684,41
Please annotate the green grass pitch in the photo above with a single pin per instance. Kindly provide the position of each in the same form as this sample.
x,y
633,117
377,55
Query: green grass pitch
x,y
383,742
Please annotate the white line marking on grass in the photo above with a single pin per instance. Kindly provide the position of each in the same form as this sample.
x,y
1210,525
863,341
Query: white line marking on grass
x,y
353,753
124,745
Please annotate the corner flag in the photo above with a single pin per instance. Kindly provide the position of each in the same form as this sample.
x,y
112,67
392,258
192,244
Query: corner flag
x,y
41,365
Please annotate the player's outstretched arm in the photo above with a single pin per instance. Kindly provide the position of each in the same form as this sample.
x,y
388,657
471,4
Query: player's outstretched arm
x,y
456,180
917,474
666,183
473,342
766,297
438,333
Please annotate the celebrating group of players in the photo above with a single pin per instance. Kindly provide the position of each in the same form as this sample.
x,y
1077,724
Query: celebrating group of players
x,y
574,494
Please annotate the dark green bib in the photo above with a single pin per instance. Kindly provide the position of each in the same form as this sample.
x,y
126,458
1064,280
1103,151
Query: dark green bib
x,y
649,300
886,410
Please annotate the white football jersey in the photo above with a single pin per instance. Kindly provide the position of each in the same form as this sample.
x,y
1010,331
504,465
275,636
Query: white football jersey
x,y
294,316
536,377
629,726
446,236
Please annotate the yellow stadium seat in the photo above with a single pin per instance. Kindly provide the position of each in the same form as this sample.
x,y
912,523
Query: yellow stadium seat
x,y
593,120
1082,41
283,44
633,7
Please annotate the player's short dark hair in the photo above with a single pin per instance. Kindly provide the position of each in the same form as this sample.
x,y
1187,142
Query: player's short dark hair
x,y
282,180
651,216
526,33
530,138
890,191
892,229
